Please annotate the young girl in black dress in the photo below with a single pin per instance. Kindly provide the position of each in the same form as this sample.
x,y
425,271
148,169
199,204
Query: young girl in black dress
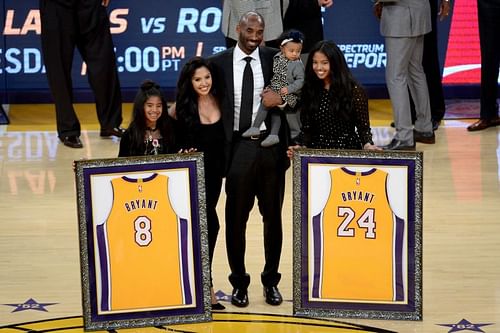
x,y
151,130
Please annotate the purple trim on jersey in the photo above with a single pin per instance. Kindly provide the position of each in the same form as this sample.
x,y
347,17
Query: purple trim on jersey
x,y
304,257
103,259
188,297
316,222
411,231
354,173
400,290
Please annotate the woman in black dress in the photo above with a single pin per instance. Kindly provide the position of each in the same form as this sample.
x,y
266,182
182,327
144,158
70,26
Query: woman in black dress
x,y
334,107
199,126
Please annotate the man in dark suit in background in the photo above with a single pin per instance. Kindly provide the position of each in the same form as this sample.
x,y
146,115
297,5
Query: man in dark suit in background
x,y
253,171
83,24
305,16
489,29
430,62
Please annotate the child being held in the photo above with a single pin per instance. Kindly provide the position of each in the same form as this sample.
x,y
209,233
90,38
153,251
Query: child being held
x,y
287,80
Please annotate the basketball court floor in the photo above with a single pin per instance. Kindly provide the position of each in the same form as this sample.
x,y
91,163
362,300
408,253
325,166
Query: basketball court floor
x,y
40,288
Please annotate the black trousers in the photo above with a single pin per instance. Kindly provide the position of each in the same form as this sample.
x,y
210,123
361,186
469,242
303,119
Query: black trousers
x,y
254,172
432,69
489,38
83,24
213,185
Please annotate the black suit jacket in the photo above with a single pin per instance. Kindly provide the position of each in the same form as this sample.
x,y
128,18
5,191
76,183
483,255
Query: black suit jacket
x,y
305,16
223,65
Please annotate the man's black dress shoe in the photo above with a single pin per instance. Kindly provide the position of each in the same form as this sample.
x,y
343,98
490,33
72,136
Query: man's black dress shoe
x,y
272,295
424,137
115,131
218,306
72,141
482,124
239,297
396,144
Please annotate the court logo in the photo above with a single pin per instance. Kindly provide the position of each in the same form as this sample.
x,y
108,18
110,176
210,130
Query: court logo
x,y
30,304
465,325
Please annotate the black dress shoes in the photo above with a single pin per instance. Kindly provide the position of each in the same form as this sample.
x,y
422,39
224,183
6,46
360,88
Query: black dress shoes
x,y
424,137
217,306
239,298
272,295
396,144
72,141
482,124
115,131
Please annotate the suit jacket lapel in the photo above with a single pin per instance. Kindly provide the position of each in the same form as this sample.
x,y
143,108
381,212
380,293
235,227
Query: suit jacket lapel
x,y
228,112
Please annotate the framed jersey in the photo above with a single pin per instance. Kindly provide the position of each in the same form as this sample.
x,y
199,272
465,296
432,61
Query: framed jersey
x,y
357,234
143,241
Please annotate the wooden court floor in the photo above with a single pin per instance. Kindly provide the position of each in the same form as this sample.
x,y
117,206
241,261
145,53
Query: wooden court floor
x,y
39,254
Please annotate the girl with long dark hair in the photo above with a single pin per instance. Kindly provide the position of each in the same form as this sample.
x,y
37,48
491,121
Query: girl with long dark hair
x,y
198,113
334,106
151,130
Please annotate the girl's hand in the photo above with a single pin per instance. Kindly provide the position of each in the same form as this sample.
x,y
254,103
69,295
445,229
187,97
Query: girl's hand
x,y
369,146
291,150
185,151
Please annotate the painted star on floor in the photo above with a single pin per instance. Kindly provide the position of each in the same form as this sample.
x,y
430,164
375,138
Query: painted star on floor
x,y
30,304
465,325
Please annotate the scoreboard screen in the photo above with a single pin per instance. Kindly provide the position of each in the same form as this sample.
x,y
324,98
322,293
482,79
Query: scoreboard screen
x,y
154,41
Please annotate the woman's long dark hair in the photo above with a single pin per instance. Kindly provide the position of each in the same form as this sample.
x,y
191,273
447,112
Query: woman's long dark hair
x,y
186,105
137,127
342,82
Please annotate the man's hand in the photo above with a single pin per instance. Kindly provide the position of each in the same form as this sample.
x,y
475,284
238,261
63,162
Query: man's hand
x,y
325,3
444,9
270,99
377,9
105,3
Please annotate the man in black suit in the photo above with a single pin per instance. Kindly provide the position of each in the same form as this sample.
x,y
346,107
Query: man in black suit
x,y
252,171
488,12
81,24
306,16
430,61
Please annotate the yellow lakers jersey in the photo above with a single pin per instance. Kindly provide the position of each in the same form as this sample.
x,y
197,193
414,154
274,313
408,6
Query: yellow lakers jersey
x,y
357,250
142,248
